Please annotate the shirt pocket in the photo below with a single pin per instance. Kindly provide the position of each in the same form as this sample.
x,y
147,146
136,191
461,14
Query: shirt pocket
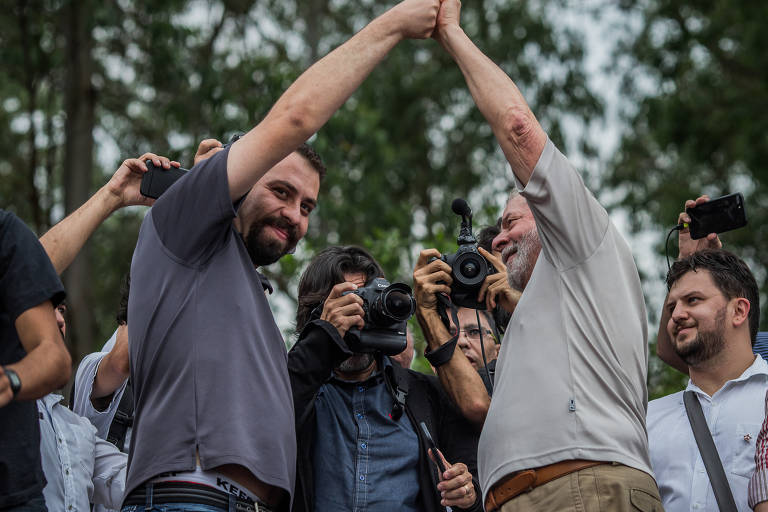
x,y
743,455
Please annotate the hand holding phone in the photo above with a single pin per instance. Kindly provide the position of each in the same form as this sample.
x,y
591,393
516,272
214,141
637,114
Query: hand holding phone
x,y
432,446
717,216
157,180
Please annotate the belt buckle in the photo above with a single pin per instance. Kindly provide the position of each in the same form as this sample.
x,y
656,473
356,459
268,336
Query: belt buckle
x,y
241,506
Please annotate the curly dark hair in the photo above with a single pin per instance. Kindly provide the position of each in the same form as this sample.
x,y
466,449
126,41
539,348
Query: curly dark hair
x,y
122,308
309,153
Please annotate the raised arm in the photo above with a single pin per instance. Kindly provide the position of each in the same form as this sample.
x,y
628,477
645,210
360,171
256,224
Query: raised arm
x,y
459,379
321,90
65,240
687,246
521,137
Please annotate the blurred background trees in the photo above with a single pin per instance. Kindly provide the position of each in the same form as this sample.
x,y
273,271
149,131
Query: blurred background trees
x,y
86,84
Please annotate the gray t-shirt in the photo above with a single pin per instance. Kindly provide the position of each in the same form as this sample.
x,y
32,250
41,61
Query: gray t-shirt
x,y
208,362
570,376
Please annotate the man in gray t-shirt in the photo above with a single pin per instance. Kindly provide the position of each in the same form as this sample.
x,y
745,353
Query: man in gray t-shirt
x,y
208,363
566,426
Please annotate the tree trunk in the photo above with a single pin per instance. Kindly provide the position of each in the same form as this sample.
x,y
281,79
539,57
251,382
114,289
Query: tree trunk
x,y
78,167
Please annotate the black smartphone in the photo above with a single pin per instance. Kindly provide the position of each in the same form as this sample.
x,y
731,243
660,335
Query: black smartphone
x,y
157,180
431,444
717,215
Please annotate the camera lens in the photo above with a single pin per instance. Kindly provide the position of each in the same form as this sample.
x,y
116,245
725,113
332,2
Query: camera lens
x,y
470,269
398,304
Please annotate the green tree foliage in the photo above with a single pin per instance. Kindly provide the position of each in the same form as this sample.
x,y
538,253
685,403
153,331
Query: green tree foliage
x,y
168,74
696,81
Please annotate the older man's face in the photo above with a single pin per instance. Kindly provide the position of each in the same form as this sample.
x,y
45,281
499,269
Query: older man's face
x,y
518,242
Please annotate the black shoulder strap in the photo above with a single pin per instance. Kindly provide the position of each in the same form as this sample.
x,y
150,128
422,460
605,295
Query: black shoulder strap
x,y
709,453
398,387
123,418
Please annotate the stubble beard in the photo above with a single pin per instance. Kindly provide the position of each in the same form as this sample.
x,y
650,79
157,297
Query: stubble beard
x,y
356,363
706,344
520,267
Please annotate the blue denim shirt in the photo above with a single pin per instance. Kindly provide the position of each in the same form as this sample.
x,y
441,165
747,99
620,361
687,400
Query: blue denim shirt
x,y
363,459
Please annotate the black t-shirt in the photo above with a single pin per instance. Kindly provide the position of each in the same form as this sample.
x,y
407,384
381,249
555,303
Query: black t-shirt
x,y
27,279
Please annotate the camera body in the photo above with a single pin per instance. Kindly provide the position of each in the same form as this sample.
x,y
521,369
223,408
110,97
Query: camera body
x,y
387,310
468,267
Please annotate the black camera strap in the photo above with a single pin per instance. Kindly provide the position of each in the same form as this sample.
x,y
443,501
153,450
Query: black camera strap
x,y
482,350
444,352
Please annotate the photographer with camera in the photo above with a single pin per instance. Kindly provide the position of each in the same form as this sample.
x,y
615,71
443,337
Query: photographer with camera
x,y
450,291
360,440
570,393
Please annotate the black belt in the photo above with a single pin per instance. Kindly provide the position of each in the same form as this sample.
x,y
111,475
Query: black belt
x,y
183,492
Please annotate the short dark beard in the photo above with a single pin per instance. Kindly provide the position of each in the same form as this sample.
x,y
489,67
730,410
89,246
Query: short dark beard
x,y
356,363
706,345
266,252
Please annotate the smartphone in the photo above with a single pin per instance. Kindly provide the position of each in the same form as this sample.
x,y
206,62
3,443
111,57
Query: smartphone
x,y
431,444
717,215
157,180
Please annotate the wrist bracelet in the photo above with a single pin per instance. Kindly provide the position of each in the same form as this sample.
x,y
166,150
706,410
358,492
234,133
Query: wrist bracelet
x,y
443,353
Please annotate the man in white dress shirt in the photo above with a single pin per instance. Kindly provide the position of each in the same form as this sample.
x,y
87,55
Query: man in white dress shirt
x,y
710,320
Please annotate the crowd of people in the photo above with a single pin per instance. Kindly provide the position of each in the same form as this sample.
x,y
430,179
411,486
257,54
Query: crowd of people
x,y
539,402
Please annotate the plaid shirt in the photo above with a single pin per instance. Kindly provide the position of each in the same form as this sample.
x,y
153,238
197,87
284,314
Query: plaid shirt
x,y
758,484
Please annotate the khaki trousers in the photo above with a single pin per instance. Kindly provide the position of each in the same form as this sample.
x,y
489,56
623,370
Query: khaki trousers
x,y
604,488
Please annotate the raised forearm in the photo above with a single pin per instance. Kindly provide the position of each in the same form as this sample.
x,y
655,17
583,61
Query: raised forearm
x,y
64,240
311,100
114,367
459,379
521,137
664,348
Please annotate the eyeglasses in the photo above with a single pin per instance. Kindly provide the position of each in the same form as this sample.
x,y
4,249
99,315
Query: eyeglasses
x,y
473,333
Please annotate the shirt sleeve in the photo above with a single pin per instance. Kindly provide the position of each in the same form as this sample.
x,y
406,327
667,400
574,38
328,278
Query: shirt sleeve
x,y
570,222
27,276
84,379
193,216
758,484
109,470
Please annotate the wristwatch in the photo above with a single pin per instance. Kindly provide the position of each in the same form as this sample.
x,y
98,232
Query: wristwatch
x,y
14,379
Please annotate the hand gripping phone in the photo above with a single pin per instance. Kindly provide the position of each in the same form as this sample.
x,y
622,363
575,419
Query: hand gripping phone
x,y
431,444
157,180
717,216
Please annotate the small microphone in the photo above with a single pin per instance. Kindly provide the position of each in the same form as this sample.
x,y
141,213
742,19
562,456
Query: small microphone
x,y
460,207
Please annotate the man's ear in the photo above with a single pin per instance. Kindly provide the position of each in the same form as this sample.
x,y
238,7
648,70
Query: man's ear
x,y
741,308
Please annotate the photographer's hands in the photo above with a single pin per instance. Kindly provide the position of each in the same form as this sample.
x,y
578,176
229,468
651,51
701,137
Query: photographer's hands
x,y
687,244
496,288
456,487
343,311
429,279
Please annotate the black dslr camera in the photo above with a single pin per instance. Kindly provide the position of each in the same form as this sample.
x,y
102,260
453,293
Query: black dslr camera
x,y
468,266
387,310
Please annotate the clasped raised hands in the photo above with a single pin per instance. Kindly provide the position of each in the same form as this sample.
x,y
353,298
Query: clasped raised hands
x,y
415,19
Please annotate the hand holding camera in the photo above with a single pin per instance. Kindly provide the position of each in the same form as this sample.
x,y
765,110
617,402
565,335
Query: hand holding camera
x,y
386,310
469,268
496,289
342,309
430,277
